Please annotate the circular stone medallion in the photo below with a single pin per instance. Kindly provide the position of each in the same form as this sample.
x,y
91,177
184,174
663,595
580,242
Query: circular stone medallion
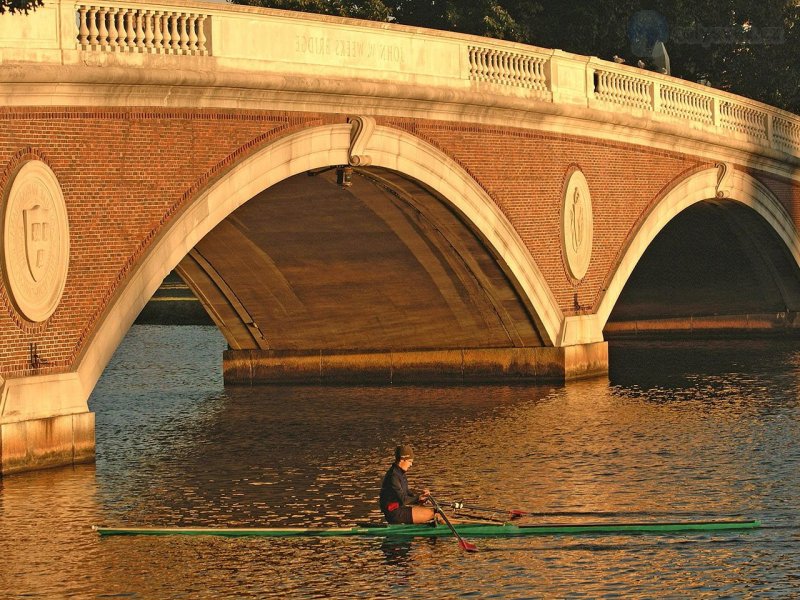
x,y
577,225
35,241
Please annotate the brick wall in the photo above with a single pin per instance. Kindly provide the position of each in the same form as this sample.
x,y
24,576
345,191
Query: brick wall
x,y
126,172
123,173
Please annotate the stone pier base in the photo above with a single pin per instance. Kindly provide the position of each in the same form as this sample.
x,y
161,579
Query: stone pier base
x,y
463,365
46,442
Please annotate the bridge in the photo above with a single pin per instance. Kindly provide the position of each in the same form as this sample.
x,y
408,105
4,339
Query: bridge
x,y
351,199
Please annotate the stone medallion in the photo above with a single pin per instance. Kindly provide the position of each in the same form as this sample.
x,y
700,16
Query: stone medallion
x,y
577,225
35,241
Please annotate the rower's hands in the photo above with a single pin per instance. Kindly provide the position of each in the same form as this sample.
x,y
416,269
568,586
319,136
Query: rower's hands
x,y
424,496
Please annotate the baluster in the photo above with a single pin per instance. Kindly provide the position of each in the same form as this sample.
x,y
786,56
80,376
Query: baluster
x,y
131,35
103,33
500,71
472,62
184,36
165,21
148,31
139,31
113,34
483,62
471,58
93,33
83,30
158,37
174,37
541,80
192,34
525,76
121,33
201,35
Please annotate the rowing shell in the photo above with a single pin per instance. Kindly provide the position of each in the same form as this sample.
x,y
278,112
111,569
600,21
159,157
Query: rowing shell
x,y
464,529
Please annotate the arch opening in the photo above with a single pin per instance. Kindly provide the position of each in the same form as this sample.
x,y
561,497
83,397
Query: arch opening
x,y
716,268
310,266
321,147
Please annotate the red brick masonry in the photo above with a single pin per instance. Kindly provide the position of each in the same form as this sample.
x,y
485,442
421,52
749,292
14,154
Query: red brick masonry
x,y
127,172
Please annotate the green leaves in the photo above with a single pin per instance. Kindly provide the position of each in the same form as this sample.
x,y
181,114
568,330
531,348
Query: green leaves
x,y
19,6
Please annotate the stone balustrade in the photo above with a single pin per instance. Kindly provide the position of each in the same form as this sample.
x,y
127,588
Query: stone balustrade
x,y
125,29
316,48
508,68
623,89
683,103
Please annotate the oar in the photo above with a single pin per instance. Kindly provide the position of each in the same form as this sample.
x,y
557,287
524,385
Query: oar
x,y
513,514
462,543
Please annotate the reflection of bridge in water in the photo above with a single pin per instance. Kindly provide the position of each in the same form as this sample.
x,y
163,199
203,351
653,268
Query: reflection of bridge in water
x,y
502,197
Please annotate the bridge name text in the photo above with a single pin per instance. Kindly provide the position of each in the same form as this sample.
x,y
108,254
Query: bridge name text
x,y
325,46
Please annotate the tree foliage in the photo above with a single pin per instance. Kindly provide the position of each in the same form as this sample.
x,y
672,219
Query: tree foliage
x,y
19,6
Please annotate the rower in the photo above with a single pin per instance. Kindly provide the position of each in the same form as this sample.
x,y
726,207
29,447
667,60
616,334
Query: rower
x,y
398,503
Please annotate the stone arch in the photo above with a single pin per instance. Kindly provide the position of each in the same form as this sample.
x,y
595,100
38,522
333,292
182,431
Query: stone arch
x,y
720,183
310,149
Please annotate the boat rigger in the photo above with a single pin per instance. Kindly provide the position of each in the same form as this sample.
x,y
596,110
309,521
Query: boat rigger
x,y
464,529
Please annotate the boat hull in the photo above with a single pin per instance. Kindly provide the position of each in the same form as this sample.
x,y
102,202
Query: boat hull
x,y
464,529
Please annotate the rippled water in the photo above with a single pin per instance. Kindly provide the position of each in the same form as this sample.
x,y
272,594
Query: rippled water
x,y
680,431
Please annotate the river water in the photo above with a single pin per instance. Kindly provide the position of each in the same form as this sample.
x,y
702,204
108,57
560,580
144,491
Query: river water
x,y
677,431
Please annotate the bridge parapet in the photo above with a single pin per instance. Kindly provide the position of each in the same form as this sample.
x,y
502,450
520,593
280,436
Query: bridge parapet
x,y
186,37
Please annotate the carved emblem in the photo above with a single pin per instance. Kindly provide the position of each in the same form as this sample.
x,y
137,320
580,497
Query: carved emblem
x,y
360,134
35,241
576,220
724,178
577,225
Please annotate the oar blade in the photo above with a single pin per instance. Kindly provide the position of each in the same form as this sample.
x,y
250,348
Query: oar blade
x,y
517,514
467,546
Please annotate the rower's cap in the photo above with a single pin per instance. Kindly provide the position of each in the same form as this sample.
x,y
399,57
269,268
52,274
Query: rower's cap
x,y
404,452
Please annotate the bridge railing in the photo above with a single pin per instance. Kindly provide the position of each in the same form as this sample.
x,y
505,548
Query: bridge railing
x,y
122,28
184,35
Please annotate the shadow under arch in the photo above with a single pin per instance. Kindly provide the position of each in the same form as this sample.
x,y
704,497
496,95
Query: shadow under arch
x,y
296,153
720,184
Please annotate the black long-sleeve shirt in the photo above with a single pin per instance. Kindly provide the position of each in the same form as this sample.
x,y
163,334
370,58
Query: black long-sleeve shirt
x,y
395,489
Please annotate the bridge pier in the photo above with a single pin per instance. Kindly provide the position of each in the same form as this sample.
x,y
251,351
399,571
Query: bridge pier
x,y
557,364
44,422
46,442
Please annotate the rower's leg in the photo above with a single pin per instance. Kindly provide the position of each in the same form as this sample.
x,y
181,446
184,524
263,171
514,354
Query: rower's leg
x,y
422,514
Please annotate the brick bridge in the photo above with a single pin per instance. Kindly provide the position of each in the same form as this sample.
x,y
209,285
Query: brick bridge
x,y
353,199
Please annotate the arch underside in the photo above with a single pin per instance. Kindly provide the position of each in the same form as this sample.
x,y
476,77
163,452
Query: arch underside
x,y
384,265
717,266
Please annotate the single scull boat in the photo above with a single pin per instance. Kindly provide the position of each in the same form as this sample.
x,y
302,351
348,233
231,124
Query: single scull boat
x,y
426,530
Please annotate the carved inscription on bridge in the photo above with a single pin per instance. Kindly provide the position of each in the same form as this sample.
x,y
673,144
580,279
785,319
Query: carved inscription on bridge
x,y
35,241
311,45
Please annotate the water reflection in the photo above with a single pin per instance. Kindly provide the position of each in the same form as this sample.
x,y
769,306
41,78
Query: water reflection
x,y
677,431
